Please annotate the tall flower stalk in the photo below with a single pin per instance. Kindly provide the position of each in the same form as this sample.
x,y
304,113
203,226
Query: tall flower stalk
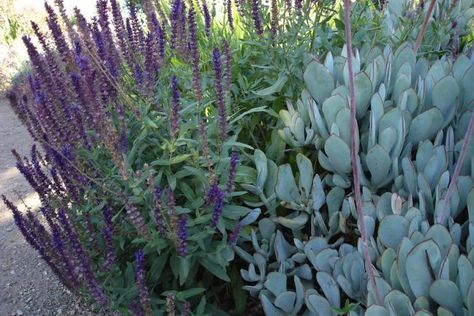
x,y
419,39
354,153
221,110
140,281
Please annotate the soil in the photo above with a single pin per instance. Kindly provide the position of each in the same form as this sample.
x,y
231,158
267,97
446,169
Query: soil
x,y
27,285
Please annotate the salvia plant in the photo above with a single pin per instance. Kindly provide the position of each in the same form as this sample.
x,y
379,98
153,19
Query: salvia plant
x,y
249,157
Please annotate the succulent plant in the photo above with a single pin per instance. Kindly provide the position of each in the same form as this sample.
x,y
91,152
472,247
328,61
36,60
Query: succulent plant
x,y
412,115
425,269
400,102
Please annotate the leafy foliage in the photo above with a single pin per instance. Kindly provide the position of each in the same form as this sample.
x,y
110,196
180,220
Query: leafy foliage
x,y
186,158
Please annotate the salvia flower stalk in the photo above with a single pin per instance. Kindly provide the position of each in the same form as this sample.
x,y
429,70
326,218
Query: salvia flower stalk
x,y
140,281
182,236
220,102
193,46
216,195
234,161
175,106
257,18
136,219
159,218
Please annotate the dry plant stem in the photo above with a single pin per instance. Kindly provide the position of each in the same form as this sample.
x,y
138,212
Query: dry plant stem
x,y
354,149
423,28
465,144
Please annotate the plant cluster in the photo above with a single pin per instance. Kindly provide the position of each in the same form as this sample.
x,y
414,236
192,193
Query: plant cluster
x,y
202,164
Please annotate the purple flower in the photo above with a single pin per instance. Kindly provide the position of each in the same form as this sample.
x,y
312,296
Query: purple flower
x,y
112,54
159,40
40,37
175,105
107,233
298,7
120,31
137,30
182,236
82,26
274,22
161,33
221,110
256,15
187,309
204,143
140,282
234,235
230,19
151,61
178,25
66,260
29,174
159,218
217,196
83,259
57,33
171,305
234,160
65,19
207,18
171,212
136,219
20,222
212,193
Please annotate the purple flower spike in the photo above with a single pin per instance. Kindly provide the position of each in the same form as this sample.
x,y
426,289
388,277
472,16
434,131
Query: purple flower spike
x,y
108,232
234,160
171,305
182,236
136,219
218,197
230,19
298,7
175,105
256,15
171,212
221,110
228,66
159,219
143,294
207,18
234,235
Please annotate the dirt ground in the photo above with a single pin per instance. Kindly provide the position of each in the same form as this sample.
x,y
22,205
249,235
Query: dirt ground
x,y
27,285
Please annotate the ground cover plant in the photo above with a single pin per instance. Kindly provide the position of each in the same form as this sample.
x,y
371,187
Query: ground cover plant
x,y
306,158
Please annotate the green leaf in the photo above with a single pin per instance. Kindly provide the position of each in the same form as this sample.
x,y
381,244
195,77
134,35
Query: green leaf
x,y
339,154
186,294
446,293
392,229
275,87
184,267
379,164
260,109
286,188
319,81
214,268
425,126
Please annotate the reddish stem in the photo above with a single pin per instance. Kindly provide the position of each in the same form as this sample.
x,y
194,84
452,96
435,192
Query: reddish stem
x,y
423,28
354,141
465,144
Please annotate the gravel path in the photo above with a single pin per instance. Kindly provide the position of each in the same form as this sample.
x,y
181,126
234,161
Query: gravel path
x,y
27,285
